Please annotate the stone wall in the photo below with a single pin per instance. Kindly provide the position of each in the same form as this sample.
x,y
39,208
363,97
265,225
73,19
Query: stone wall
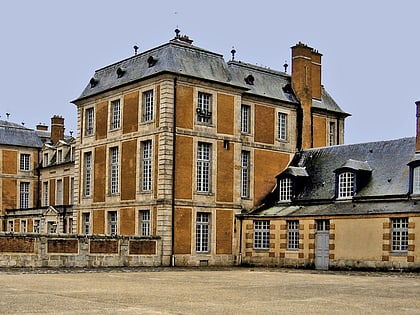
x,y
46,250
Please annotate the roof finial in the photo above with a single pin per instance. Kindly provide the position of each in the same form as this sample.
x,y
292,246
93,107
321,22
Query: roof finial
x,y
233,52
285,66
135,49
7,115
177,31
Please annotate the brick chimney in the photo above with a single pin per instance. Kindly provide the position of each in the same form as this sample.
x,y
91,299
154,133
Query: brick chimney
x,y
41,127
418,127
306,83
57,128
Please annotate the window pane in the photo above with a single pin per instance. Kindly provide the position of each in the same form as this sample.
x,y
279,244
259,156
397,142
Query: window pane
x,y
261,234
114,170
203,167
399,231
282,126
345,185
146,163
285,189
115,114
245,118
202,232
204,108
148,106
293,235
245,171
416,180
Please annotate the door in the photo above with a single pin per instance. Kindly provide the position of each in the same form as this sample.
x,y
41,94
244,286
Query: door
x,y
322,244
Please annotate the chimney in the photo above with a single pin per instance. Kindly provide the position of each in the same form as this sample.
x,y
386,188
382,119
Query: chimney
x,y
41,127
57,128
418,127
306,83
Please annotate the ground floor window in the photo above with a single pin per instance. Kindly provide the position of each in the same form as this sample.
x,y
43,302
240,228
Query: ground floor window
x,y
202,232
262,234
112,222
293,235
144,226
399,232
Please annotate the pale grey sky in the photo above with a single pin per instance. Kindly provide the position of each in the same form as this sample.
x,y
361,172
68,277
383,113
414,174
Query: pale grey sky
x,y
371,50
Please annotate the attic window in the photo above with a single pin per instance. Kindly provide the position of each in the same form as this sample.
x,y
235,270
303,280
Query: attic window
x,y
120,72
285,189
93,82
287,88
250,79
345,185
152,61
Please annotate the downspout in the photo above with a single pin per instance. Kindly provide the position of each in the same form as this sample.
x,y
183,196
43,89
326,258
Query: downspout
x,y
172,264
38,189
240,239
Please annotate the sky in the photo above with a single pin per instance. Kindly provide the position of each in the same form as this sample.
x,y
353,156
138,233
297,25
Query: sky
x,y
370,65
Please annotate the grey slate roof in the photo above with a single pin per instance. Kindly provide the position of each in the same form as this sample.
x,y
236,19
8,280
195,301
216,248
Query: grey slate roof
x,y
18,135
180,58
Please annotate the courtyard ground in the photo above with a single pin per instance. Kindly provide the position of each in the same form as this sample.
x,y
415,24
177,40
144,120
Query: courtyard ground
x,y
203,291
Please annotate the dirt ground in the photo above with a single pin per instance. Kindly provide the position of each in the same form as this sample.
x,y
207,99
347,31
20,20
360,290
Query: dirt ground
x,y
201,291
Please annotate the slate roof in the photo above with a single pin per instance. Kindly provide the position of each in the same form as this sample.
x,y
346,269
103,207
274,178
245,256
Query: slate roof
x,y
18,135
180,58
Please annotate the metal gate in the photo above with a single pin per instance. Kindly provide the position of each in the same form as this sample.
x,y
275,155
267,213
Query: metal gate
x,y
322,244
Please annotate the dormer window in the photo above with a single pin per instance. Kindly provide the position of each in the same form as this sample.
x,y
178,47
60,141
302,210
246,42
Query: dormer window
x,y
346,187
416,180
291,182
351,177
285,189
414,184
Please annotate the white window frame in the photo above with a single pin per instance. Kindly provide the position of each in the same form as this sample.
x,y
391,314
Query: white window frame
x,y
346,185
262,234
293,235
45,160
24,193
203,174
332,133
87,179
36,226
146,165
416,180
144,223
399,235
59,156
89,121
115,114
202,232
23,226
204,108
24,163
86,223
45,193
245,173
245,119
282,126
113,222
11,225
59,191
285,189
148,106
114,170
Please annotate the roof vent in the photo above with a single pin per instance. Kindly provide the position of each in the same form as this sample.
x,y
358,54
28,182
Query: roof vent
x,y
250,79
288,88
152,61
120,72
93,82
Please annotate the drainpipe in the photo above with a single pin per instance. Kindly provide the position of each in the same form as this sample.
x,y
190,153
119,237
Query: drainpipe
x,y
38,189
240,239
172,264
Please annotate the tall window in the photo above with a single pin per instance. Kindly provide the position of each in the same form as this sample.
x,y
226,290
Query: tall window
x,y
203,167
144,226
45,194
148,106
282,126
59,192
11,226
202,232
345,185
89,118
245,119
399,230
293,235
204,108
146,162
114,178
245,172
86,223
112,222
59,156
115,114
24,195
416,180
45,160
88,174
285,189
36,225
332,134
24,162
23,227
71,190
262,234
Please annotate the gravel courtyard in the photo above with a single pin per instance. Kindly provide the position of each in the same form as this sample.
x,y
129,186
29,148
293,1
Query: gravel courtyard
x,y
200,291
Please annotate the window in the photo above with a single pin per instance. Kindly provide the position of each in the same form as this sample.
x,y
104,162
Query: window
x,y
11,226
114,178
282,126
24,162
112,222
245,171
24,195
89,121
71,190
146,162
245,119
59,192
416,180
345,185
86,223
45,160
147,106
285,189
202,232
322,225
45,199
59,156
52,227
293,235
144,226
203,167
35,227
332,134
88,174
115,114
23,228
204,108
262,234
399,231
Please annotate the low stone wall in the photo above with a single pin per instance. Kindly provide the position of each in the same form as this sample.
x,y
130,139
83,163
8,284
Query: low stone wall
x,y
40,250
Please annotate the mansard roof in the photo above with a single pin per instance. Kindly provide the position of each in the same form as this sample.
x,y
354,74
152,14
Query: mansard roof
x,y
18,135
